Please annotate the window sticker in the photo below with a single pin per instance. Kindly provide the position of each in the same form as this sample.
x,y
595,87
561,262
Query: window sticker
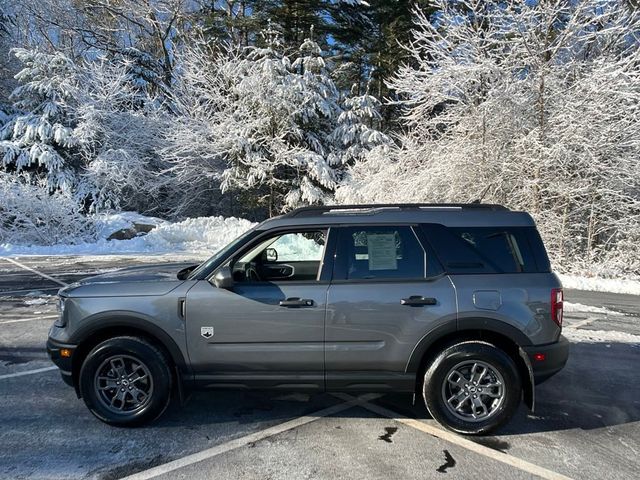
x,y
382,251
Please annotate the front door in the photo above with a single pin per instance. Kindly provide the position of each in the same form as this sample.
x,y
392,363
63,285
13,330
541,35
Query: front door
x,y
268,329
387,293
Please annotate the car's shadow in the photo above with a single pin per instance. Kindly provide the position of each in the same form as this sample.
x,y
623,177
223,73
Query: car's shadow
x,y
599,387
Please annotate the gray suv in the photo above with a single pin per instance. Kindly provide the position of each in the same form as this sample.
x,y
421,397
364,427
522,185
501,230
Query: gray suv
x,y
454,302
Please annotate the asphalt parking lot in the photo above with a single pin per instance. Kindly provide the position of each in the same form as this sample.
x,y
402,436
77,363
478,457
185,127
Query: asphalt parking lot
x,y
586,425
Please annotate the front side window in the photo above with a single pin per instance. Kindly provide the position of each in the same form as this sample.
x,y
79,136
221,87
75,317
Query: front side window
x,y
288,256
379,253
299,247
210,264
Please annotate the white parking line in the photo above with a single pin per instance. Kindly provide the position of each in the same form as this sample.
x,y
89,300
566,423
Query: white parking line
x,y
44,317
463,442
43,275
28,372
582,323
10,292
247,439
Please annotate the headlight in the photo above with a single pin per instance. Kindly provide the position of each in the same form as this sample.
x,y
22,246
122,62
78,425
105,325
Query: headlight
x,y
61,321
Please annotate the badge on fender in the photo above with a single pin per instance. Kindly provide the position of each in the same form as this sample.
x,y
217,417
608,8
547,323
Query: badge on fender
x,y
206,332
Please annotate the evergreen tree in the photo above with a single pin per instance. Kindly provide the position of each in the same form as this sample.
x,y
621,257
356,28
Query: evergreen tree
x,y
38,140
355,135
291,107
370,46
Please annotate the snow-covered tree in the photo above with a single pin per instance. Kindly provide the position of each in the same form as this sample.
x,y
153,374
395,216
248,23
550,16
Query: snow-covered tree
x,y
356,133
120,130
38,140
203,133
253,120
290,109
142,33
530,104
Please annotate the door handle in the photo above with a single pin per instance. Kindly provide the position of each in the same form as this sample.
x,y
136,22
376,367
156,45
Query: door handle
x,y
418,300
296,302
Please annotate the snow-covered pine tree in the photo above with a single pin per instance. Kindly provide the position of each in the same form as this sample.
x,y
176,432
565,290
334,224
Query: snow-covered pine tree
x,y
39,140
252,120
287,112
356,133
39,179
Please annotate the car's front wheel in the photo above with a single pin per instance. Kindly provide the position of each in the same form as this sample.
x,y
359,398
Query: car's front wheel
x,y
472,387
126,381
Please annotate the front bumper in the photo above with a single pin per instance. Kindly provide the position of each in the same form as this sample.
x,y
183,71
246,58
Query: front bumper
x,y
63,363
547,360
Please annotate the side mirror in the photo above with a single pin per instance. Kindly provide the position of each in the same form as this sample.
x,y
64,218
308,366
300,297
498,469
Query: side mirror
x,y
223,278
271,255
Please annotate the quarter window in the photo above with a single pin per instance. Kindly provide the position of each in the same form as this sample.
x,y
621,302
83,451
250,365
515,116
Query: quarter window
x,y
504,248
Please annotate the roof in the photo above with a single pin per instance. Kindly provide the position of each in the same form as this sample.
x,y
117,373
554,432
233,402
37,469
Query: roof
x,y
448,214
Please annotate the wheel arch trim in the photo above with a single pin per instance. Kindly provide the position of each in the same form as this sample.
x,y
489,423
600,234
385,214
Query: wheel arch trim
x,y
468,328
108,321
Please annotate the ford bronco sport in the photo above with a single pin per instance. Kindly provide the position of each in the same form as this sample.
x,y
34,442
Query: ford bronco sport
x,y
454,302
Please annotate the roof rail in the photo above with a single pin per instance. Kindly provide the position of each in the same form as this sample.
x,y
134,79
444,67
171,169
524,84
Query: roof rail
x,y
372,207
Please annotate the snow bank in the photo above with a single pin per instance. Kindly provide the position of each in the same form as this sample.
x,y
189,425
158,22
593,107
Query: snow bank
x,y
600,336
106,224
569,307
203,235
595,284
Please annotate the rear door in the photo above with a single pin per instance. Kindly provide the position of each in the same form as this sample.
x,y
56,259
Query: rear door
x,y
387,292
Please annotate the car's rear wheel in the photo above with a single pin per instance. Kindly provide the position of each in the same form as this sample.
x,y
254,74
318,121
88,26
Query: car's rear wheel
x,y
472,387
126,381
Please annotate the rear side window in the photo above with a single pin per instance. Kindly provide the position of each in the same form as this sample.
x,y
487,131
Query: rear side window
x,y
379,252
485,249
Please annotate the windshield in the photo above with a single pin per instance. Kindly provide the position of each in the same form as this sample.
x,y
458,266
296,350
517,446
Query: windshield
x,y
220,254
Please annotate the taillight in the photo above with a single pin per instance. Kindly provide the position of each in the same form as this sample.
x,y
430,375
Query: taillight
x,y
557,298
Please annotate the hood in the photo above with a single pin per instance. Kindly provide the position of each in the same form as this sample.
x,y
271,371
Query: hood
x,y
148,280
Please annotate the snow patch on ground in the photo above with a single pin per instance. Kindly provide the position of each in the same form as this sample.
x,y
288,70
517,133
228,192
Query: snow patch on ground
x,y
600,336
595,284
36,301
203,235
569,307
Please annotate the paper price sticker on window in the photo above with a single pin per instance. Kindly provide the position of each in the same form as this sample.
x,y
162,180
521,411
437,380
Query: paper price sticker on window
x,y
382,251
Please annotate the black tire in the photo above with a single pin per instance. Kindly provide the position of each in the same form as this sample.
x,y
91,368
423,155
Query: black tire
x,y
463,357
100,380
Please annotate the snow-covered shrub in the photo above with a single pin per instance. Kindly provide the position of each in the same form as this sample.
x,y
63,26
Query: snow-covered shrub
x,y
30,214
534,105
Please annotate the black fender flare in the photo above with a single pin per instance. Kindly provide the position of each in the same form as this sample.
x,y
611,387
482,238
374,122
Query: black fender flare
x,y
97,323
470,324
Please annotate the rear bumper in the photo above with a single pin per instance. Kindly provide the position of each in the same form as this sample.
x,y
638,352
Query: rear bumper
x,y
547,360
63,363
